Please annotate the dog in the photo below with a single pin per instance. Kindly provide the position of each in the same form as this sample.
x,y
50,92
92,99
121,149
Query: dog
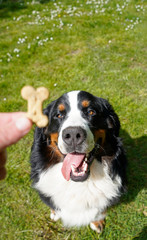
x,y
78,163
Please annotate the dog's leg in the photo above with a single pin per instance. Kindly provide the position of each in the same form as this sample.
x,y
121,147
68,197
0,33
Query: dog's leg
x,y
54,215
97,226
99,222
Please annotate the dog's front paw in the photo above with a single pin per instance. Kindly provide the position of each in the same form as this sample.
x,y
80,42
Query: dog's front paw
x,y
54,215
97,226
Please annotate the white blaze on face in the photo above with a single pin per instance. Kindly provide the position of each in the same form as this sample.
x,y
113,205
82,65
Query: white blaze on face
x,y
75,119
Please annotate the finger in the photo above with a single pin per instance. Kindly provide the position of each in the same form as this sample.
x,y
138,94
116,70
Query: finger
x,y
14,129
8,117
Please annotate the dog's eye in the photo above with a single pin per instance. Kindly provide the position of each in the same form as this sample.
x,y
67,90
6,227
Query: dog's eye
x,y
91,112
59,115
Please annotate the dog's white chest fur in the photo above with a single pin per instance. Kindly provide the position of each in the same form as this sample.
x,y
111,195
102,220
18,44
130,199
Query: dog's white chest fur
x,y
79,202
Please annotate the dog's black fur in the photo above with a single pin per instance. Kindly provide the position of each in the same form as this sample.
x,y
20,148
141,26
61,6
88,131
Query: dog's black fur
x,y
45,155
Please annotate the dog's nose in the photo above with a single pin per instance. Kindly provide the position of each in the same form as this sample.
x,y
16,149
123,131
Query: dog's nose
x,y
74,136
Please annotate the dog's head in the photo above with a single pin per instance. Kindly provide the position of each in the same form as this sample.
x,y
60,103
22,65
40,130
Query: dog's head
x,y
80,124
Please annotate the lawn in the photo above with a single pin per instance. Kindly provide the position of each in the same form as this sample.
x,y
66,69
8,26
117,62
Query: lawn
x,y
97,46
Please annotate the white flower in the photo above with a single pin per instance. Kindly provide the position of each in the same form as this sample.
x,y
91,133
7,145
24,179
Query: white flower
x,y
16,50
29,46
8,54
40,43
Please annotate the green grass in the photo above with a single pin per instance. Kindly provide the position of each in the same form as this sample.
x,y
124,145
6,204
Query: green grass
x,y
97,47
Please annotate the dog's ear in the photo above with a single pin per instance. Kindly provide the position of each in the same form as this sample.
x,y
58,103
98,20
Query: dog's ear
x,y
40,133
112,120
47,110
113,123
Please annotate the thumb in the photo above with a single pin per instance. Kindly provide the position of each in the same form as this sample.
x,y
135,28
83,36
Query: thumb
x,y
23,126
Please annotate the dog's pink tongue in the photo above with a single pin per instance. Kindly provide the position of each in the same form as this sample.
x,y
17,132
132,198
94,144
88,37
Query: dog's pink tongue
x,y
74,159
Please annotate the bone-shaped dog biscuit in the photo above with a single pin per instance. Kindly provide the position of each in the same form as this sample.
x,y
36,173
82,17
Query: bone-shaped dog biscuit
x,y
35,99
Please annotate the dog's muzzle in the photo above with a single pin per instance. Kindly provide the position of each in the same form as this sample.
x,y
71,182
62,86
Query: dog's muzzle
x,y
73,138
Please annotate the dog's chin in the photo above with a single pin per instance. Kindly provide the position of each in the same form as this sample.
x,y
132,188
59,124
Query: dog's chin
x,y
81,178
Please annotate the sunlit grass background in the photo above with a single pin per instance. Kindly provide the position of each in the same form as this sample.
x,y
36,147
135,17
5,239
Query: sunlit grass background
x,y
97,46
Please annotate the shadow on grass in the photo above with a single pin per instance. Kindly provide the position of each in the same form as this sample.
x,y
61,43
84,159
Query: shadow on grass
x,y
7,7
44,1
137,168
142,235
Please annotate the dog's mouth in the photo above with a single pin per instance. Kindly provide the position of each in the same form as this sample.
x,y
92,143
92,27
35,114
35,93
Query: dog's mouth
x,y
76,166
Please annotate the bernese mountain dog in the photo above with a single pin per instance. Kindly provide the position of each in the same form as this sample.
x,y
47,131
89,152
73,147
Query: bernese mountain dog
x,y
78,164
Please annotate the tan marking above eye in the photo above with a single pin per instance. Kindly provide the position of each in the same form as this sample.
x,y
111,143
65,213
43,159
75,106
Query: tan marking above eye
x,y
61,107
85,103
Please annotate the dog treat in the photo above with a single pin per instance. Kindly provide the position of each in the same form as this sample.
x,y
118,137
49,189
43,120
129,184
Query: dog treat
x,y
35,98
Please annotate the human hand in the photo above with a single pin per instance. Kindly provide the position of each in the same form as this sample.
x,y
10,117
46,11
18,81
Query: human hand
x,y
13,126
